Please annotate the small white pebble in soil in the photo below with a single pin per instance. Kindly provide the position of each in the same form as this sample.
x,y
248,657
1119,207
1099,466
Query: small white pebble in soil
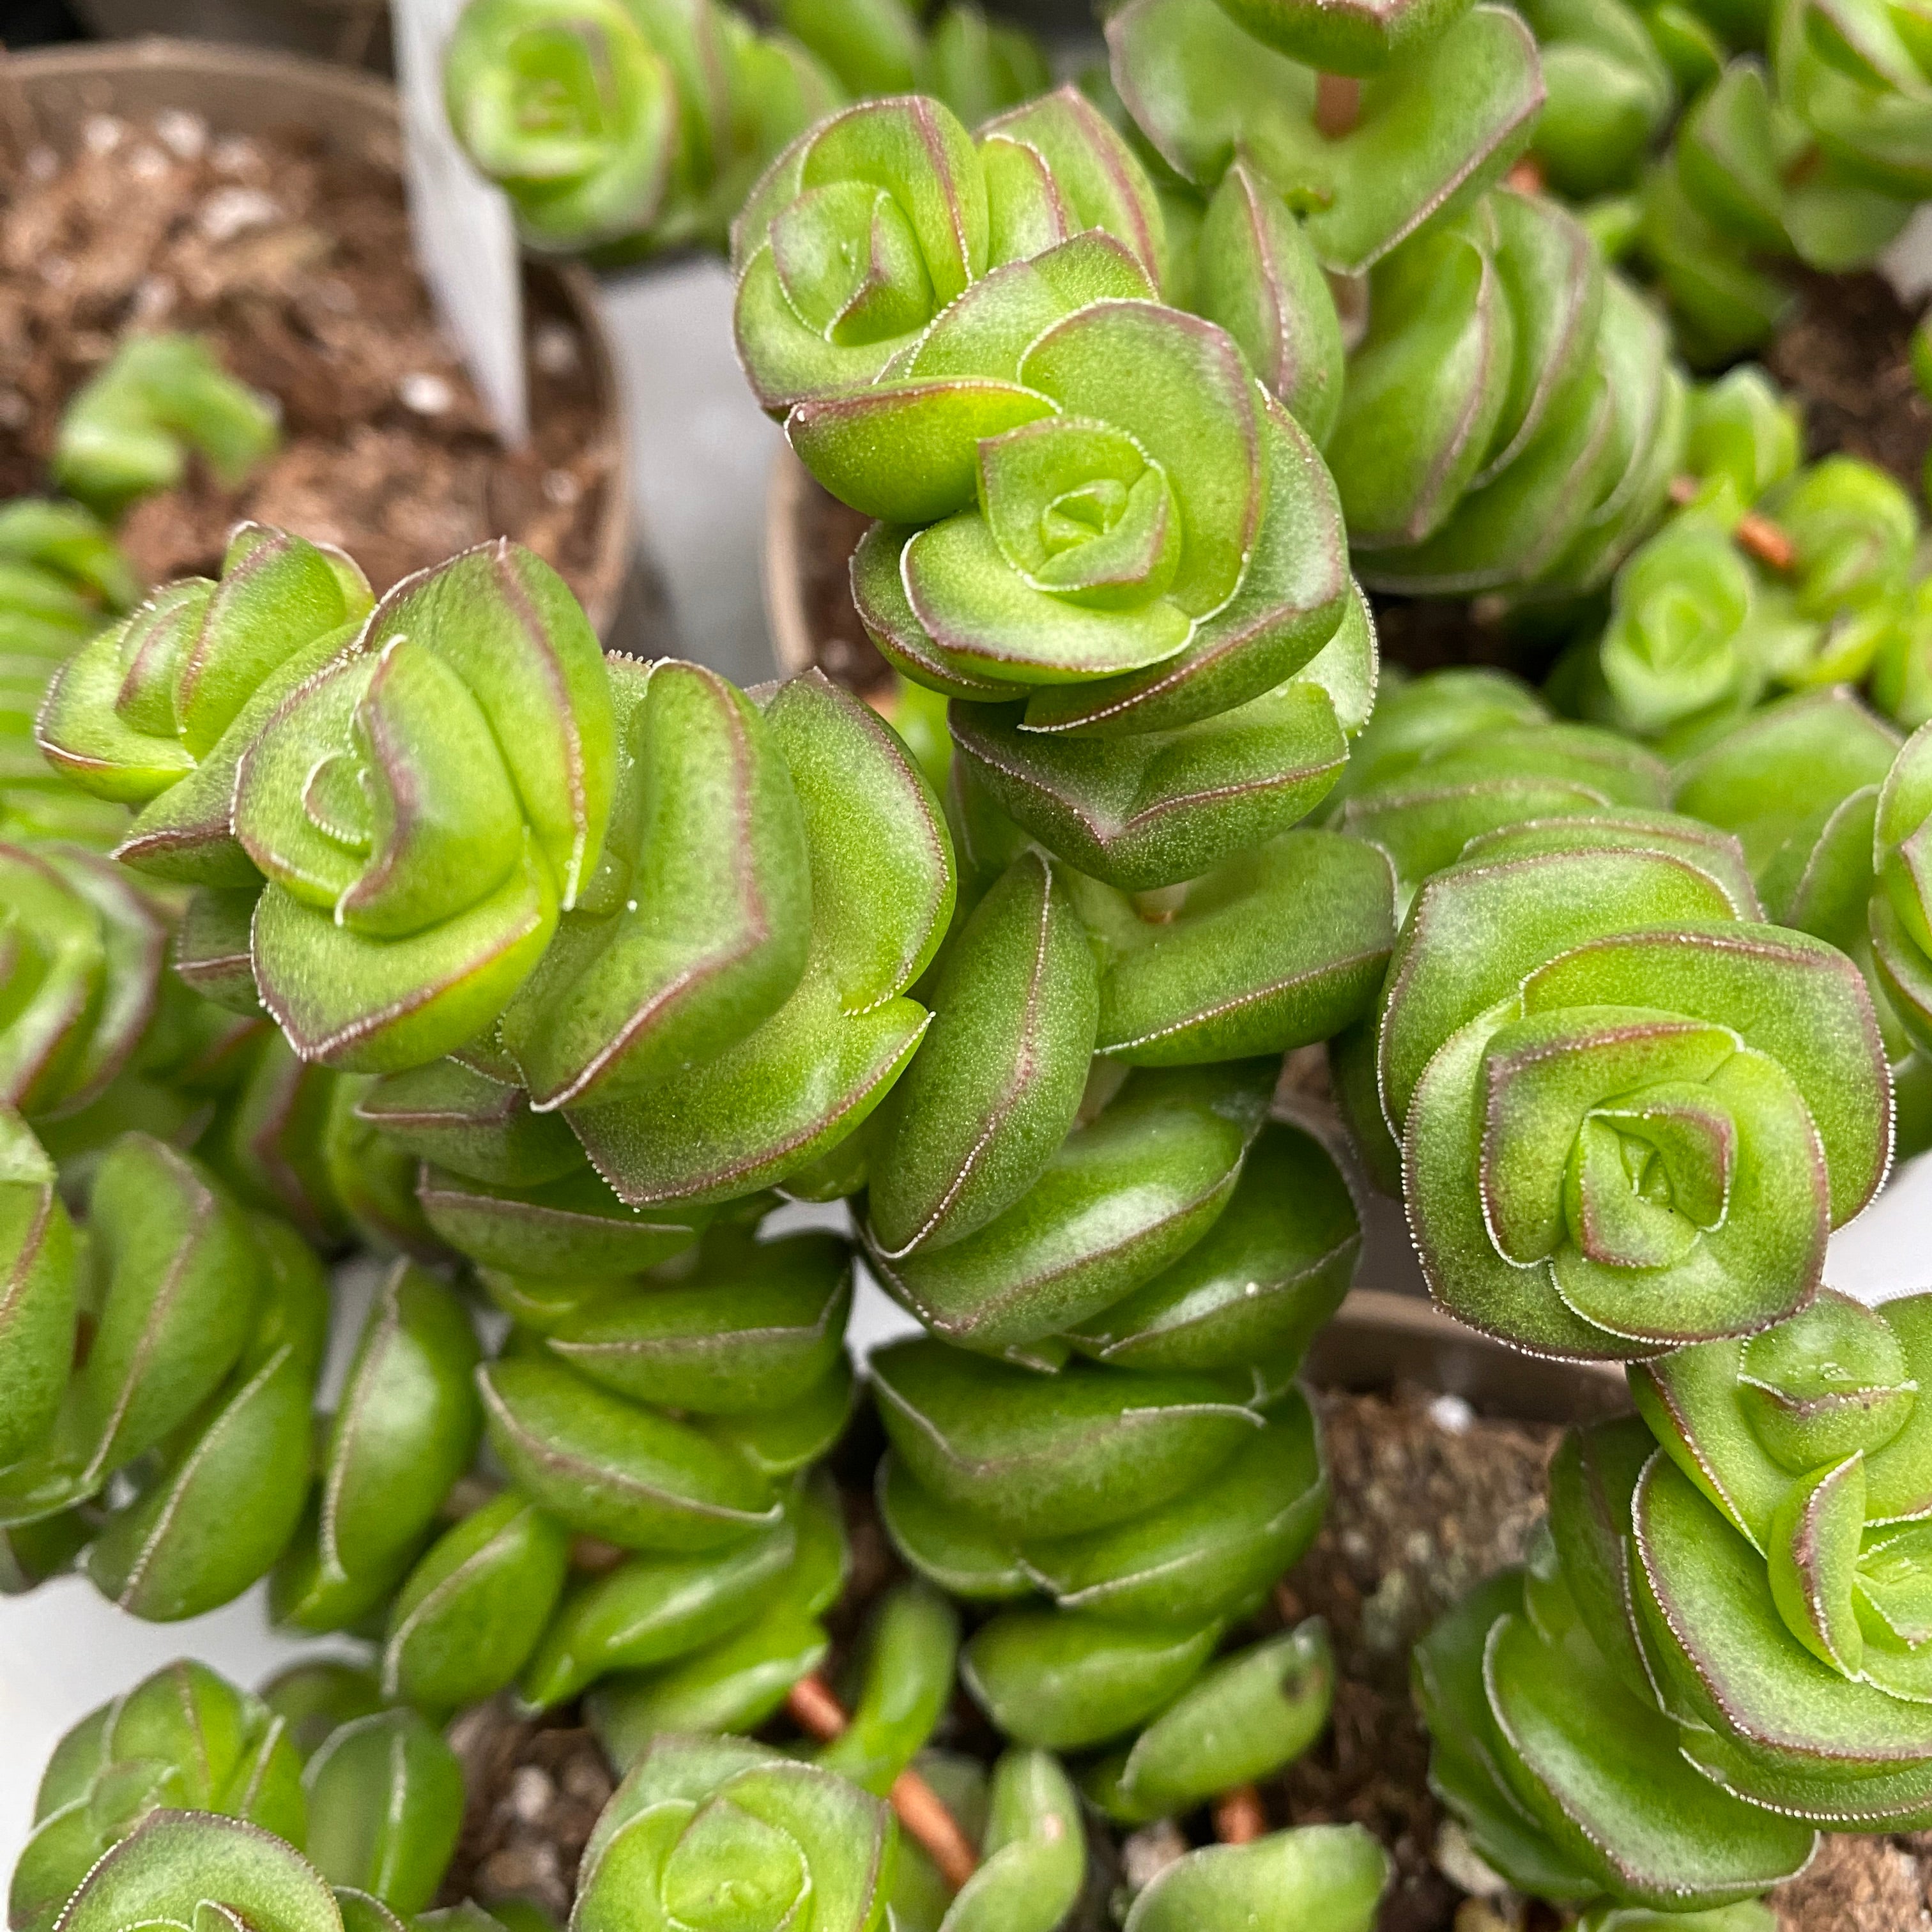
x,y
1462,1864
554,348
102,134
1452,1414
183,134
560,488
154,297
56,272
230,212
1355,1543
1149,1852
235,154
531,1793
1418,1546
43,164
427,393
147,164
1385,1614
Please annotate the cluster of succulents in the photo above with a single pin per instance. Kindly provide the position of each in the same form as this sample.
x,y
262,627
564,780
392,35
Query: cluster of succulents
x,y
620,130
635,1024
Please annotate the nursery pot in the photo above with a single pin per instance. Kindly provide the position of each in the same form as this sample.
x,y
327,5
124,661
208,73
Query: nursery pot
x,y
1380,1338
809,538
355,31
242,90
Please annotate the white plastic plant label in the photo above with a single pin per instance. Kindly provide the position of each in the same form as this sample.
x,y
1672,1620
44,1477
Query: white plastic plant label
x,y
466,242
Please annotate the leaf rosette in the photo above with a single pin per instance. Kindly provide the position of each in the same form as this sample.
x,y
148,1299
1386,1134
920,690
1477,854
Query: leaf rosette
x,y
730,1003
1714,1655
872,223
422,805
699,1823
182,1739
1629,1112
199,1868
620,129
1609,92
156,711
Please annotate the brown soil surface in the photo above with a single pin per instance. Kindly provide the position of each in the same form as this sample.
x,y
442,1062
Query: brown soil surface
x,y
1862,1885
1427,1499
1845,353
296,264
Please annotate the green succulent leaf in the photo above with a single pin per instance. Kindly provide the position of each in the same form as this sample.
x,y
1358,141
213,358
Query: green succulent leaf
x,y
386,1805
1329,1876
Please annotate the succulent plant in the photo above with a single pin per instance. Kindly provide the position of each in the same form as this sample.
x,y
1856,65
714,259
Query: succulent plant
x,y
385,1798
696,1814
156,711
405,1430
206,1337
1364,122
1324,1878
1153,1506
177,1865
1901,909
62,578
875,219
1724,1097
182,1739
622,129
129,431
978,66
422,805
1728,1575
1608,93
1519,428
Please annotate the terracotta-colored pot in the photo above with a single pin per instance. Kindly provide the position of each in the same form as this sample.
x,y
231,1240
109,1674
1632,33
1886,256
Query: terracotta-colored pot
x,y
242,91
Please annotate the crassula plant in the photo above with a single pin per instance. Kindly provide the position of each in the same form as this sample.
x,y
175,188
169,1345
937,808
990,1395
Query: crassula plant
x,y
1732,1576
621,130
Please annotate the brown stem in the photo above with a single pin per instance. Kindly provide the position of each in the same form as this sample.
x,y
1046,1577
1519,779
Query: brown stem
x,y
1526,176
816,1711
1338,104
594,1556
1766,541
922,1814
1239,1819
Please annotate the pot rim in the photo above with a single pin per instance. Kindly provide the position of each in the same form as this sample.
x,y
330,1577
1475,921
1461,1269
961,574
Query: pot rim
x,y
1379,1337
59,84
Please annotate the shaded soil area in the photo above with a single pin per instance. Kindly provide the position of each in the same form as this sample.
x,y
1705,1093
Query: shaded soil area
x,y
840,647
295,262
1846,354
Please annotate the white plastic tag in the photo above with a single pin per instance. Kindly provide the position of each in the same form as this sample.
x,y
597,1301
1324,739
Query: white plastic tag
x,y
466,241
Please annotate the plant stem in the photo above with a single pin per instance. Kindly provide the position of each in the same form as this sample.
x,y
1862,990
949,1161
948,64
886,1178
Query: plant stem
x,y
815,1709
1239,1819
1338,104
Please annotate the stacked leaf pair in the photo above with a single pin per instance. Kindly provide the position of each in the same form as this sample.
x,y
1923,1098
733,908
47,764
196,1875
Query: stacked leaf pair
x,y
620,129
1121,558
1715,1652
